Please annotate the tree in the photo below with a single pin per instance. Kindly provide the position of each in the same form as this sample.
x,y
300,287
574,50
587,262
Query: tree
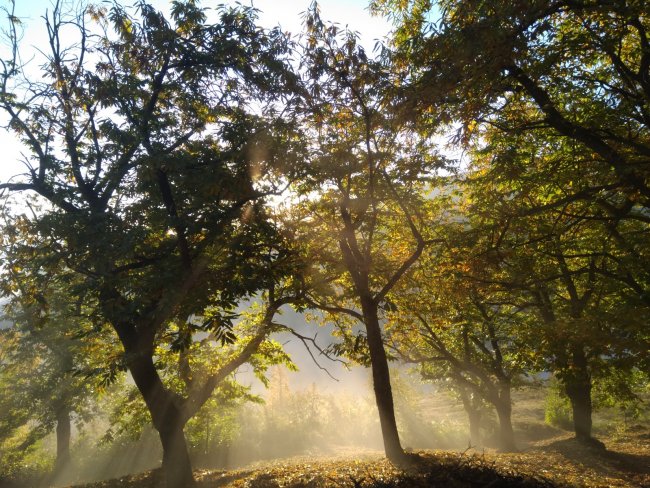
x,y
552,265
44,352
457,327
212,356
151,169
366,173
39,386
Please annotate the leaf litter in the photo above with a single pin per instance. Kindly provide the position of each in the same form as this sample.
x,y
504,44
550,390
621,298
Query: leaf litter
x,y
557,462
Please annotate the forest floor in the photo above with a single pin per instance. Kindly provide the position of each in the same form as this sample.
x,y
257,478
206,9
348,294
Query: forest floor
x,y
558,461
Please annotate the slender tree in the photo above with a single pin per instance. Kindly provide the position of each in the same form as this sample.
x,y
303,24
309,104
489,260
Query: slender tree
x,y
365,173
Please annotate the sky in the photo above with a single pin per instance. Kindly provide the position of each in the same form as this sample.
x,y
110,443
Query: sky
x,y
285,13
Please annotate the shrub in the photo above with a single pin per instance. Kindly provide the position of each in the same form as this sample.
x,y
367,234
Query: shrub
x,y
557,409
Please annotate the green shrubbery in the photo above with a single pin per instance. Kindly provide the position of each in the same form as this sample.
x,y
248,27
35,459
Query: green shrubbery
x,y
18,461
557,408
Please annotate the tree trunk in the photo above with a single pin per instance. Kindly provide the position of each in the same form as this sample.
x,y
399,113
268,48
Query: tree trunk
x,y
63,431
506,434
176,460
579,393
381,383
167,420
577,385
474,417
474,427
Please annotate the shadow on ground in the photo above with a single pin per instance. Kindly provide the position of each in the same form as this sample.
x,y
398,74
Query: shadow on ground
x,y
601,460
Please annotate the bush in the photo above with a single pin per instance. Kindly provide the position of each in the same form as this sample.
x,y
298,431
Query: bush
x,y
557,409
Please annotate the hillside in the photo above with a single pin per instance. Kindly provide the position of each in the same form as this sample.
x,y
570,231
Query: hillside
x,y
555,462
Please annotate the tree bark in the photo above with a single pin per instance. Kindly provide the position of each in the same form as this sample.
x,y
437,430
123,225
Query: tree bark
x,y
381,383
176,460
579,393
578,388
167,419
63,434
474,427
506,433
473,416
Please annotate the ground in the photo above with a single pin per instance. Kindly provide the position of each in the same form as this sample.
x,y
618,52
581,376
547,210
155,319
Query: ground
x,y
558,461
548,456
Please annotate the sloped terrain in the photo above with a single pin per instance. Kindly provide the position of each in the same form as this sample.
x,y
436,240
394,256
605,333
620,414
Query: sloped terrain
x,y
555,462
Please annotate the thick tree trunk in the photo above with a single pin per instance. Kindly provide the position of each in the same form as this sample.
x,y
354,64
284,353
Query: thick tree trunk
x,y
579,393
506,433
578,388
167,420
164,405
381,383
176,460
474,427
63,433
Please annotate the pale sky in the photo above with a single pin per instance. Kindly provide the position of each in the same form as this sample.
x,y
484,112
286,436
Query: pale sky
x,y
286,13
